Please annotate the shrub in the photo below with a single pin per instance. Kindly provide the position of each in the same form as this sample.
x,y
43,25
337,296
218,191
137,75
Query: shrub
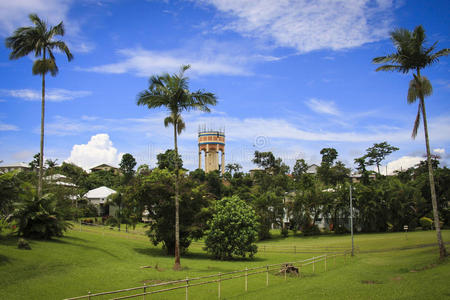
x,y
23,244
426,223
40,218
310,229
233,229
340,229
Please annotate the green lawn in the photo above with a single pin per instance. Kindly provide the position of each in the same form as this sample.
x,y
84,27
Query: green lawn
x,y
389,266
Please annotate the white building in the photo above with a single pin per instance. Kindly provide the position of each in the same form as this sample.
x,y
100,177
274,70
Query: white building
x,y
99,197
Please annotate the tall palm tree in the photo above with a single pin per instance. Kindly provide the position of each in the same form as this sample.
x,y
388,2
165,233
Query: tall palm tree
x,y
412,56
38,39
172,92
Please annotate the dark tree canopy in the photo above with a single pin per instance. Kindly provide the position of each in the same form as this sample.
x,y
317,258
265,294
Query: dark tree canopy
x,y
378,152
127,164
166,160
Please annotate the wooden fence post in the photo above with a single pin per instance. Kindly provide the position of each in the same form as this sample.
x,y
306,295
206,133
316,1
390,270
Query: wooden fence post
x,y
246,278
218,291
314,258
89,295
267,275
187,287
145,290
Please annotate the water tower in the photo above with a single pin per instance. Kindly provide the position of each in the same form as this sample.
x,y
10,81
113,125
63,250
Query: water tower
x,y
211,142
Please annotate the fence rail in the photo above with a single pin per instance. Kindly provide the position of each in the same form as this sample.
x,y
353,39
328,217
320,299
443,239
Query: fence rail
x,y
262,248
220,277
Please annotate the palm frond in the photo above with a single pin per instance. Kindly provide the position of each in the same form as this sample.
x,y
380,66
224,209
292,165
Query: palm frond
x,y
419,87
42,66
417,121
390,68
61,46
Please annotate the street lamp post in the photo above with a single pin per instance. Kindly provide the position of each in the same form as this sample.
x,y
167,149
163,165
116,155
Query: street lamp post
x,y
351,219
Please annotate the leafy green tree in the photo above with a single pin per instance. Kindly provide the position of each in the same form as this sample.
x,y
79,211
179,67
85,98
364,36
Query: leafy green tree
x,y
339,173
127,165
413,56
156,192
300,168
100,178
233,168
269,163
13,189
40,218
361,167
232,229
167,159
329,155
39,40
172,92
378,152
34,164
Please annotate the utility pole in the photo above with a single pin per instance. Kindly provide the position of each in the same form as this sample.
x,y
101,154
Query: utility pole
x,y
351,219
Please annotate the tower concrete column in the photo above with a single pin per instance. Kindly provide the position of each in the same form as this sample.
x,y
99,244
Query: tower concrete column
x,y
207,159
200,159
223,162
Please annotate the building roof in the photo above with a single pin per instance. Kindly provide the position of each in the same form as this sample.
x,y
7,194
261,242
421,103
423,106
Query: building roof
x,y
55,177
102,166
101,192
16,165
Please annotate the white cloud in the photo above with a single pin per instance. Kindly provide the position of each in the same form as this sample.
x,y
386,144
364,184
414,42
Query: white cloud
x,y
97,151
403,163
145,63
440,151
322,107
309,25
54,95
63,126
15,13
8,127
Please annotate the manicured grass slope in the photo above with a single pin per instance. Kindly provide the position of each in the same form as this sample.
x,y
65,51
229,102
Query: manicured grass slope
x,y
102,260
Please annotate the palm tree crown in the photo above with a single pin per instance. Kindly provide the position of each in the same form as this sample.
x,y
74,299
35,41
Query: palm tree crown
x,y
411,53
38,39
172,92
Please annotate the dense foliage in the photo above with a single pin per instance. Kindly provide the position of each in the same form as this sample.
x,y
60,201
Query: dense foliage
x,y
40,218
233,229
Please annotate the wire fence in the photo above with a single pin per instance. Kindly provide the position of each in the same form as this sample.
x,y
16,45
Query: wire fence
x,y
296,268
262,248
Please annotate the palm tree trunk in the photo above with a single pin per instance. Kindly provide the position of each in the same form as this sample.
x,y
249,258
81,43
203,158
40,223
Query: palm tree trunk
x,y
442,250
177,265
41,155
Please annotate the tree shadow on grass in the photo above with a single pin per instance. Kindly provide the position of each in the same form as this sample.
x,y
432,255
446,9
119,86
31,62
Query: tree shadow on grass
x,y
158,252
75,241
4,260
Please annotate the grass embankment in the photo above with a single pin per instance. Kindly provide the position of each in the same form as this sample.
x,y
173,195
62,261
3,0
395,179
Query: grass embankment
x,y
102,260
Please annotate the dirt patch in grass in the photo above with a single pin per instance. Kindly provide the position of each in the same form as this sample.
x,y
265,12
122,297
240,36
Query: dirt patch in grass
x,y
151,281
371,282
430,266
398,278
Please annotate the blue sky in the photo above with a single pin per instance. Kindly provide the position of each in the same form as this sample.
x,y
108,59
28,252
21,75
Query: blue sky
x,y
291,77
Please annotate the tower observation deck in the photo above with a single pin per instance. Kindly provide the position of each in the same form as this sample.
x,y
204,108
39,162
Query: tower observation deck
x,y
211,142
